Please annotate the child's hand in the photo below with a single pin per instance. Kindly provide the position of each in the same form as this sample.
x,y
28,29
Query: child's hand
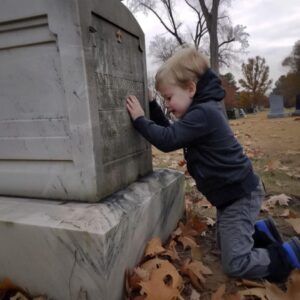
x,y
150,95
134,107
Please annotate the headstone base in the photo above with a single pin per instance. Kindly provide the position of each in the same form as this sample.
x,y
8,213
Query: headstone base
x,y
296,113
277,115
81,250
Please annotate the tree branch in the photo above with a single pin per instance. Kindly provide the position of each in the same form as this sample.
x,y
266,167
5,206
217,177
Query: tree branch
x,y
226,42
174,33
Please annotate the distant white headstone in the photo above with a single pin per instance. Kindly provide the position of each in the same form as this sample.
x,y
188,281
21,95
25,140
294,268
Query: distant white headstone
x,y
276,107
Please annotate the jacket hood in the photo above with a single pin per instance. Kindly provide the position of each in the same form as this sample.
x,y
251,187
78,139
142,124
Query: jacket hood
x,y
208,88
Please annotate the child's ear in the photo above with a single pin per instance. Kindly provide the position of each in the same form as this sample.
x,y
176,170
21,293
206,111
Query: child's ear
x,y
192,88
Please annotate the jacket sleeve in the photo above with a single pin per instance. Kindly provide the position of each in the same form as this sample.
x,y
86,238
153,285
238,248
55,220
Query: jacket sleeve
x,y
157,115
178,135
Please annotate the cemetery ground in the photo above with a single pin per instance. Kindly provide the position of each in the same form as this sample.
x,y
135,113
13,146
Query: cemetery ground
x,y
274,148
187,266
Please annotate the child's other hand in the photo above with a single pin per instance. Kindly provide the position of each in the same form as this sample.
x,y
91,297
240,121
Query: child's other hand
x,y
134,107
150,95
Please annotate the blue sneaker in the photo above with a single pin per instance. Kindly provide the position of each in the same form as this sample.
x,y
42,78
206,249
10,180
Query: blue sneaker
x,y
292,249
283,259
266,233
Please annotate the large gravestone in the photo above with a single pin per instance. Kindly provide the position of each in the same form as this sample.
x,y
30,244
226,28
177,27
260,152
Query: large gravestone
x,y
276,107
66,67
297,108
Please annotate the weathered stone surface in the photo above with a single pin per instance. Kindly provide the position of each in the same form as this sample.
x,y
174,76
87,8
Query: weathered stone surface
x,y
66,69
79,250
276,107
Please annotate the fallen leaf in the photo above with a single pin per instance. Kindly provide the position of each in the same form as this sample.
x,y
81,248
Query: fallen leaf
x,y
154,247
278,183
264,207
293,285
250,283
285,213
196,253
143,274
258,292
156,288
188,230
171,251
210,221
283,168
152,264
194,295
272,165
133,279
293,288
282,200
196,268
292,152
196,283
197,224
275,293
218,295
181,163
19,296
176,232
187,242
295,223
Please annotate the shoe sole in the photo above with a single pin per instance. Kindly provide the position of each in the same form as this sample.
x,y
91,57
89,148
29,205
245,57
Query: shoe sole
x,y
292,247
273,229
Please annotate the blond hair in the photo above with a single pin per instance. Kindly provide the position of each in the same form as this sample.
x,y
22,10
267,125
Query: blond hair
x,y
186,65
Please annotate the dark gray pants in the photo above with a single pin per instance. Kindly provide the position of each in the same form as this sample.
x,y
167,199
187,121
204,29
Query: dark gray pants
x,y
235,227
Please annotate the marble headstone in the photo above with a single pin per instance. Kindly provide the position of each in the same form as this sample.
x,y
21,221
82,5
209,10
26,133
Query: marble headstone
x,y
80,251
66,69
276,107
297,109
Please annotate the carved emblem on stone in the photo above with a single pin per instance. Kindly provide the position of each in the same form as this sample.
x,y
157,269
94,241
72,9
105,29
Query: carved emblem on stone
x,y
119,36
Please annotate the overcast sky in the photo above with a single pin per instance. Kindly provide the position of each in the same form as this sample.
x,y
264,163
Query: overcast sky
x,y
273,25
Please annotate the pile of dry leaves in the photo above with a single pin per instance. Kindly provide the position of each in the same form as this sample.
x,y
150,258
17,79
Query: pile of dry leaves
x,y
164,272
175,271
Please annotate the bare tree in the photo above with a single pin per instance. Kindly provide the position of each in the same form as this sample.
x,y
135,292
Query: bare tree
x,y
222,35
162,48
156,7
211,18
200,28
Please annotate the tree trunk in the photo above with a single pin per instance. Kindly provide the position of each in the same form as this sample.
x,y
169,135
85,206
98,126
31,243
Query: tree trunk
x,y
212,26
213,32
211,19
